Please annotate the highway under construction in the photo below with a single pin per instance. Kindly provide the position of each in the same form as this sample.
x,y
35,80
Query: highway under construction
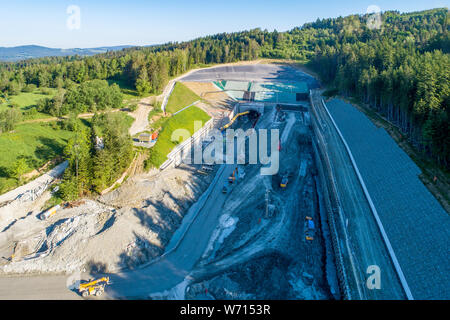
x,y
313,229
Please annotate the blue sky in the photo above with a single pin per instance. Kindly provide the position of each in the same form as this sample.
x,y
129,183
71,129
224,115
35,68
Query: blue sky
x,y
113,22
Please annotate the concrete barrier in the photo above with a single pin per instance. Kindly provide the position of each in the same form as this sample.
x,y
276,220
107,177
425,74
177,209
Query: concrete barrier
x,y
166,97
176,156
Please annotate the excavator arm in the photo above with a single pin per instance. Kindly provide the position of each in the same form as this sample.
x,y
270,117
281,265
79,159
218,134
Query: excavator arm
x,y
234,119
95,287
95,282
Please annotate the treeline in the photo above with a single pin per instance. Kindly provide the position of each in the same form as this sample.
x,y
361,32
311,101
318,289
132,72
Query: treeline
x,y
148,69
400,69
97,155
89,96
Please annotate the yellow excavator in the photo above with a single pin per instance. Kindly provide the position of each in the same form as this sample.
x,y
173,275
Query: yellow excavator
x,y
95,287
234,119
232,177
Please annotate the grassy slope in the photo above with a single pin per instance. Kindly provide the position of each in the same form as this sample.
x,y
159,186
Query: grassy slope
x,y
181,97
38,143
185,120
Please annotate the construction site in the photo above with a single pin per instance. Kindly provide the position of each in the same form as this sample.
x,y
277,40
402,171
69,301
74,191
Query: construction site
x,y
310,231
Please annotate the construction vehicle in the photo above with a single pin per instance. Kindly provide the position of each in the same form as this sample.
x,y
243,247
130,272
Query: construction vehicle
x,y
93,287
234,119
154,136
208,168
284,182
225,189
285,179
50,212
232,177
309,228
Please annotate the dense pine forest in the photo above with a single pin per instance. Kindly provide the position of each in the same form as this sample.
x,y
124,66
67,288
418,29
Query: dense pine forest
x,y
400,69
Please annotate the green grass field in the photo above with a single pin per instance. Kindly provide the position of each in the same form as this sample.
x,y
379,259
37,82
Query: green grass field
x,y
28,100
180,97
38,143
185,120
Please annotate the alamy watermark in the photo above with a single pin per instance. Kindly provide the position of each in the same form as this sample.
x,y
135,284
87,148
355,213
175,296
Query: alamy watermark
x,y
73,21
374,279
230,147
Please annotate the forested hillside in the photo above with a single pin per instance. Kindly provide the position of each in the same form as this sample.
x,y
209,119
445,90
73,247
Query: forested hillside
x,y
94,166
401,69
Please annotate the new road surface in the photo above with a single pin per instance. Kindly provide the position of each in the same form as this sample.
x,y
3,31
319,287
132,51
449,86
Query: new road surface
x,y
361,238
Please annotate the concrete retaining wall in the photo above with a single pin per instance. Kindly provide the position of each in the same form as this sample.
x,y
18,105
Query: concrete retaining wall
x,y
184,149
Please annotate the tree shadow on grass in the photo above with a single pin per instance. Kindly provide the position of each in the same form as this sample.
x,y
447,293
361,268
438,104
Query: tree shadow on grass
x,y
85,122
31,162
4,172
49,149
29,107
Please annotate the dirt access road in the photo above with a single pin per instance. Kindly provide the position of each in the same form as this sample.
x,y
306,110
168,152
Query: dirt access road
x,y
140,116
52,287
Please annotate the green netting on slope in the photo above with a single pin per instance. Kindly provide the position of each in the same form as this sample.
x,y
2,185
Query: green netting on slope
x,y
277,97
239,95
299,87
264,92
236,85
220,84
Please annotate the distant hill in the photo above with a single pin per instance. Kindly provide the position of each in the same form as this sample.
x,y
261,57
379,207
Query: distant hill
x,y
32,51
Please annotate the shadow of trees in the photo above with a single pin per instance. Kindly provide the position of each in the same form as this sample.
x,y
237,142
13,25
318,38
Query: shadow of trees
x,y
50,148
4,172
96,268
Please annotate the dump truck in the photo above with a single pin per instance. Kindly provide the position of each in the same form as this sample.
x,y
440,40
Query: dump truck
x,y
284,182
285,179
309,228
93,287
225,189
